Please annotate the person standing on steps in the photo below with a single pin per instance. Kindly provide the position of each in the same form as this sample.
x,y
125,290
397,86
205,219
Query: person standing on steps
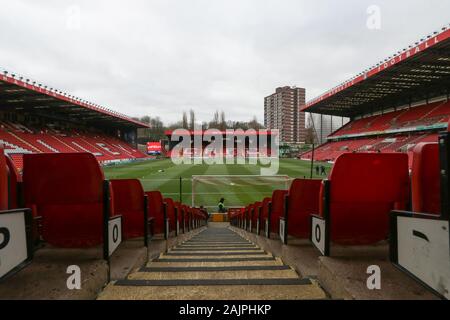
x,y
221,206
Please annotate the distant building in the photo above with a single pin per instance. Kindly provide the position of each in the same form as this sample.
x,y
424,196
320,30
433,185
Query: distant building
x,y
282,112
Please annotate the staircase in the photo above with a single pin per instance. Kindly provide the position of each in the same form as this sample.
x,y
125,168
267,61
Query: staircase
x,y
216,264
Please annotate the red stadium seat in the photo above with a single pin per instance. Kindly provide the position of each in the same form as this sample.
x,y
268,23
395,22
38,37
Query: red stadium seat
x,y
425,179
233,216
187,218
302,201
66,190
195,217
245,218
265,211
251,222
128,201
201,216
156,211
240,218
183,215
251,209
198,217
278,204
3,182
361,192
193,212
170,213
14,180
256,217
179,217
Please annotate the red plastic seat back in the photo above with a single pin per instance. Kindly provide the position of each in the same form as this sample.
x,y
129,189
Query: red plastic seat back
x,y
179,209
255,214
196,213
303,200
364,188
14,178
66,190
187,215
3,182
170,210
265,209
156,210
249,212
425,179
128,201
278,198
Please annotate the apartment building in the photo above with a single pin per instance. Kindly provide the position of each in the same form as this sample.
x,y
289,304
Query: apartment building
x,y
282,112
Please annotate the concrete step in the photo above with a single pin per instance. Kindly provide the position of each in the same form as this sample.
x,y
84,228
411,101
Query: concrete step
x,y
248,255
239,252
214,269
210,249
217,243
214,259
187,246
215,264
179,263
212,282
218,275
217,292
213,253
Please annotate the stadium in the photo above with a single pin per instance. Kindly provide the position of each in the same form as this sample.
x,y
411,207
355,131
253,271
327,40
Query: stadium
x,y
78,197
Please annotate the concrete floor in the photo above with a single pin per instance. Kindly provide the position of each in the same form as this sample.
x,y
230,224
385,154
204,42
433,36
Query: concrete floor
x,y
218,262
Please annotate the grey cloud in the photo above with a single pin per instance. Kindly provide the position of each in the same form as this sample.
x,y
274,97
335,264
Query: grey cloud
x,y
161,57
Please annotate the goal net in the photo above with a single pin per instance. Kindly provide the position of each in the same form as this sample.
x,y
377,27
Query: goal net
x,y
237,190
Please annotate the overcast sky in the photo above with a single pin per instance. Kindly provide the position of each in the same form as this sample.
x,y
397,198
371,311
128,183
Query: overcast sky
x,y
158,58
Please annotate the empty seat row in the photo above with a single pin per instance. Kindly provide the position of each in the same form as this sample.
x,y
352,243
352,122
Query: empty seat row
x,y
366,199
356,199
416,116
19,141
68,195
268,213
331,150
68,192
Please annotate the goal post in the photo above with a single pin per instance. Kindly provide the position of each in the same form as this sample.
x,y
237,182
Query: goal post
x,y
238,190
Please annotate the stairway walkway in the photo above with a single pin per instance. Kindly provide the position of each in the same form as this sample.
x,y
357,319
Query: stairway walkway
x,y
215,264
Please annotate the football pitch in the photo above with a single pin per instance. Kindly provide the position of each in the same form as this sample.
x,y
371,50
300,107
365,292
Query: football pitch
x,y
238,184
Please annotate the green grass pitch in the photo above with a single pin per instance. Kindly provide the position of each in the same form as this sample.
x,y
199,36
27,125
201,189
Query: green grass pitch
x,y
164,176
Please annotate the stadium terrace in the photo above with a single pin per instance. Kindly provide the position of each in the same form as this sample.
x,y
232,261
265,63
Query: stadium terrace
x,y
376,205
428,52
35,118
218,147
